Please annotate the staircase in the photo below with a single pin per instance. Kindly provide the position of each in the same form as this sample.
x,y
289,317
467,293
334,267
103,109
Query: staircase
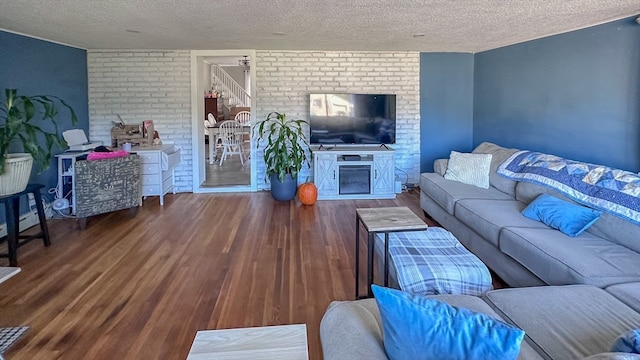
x,y
235,93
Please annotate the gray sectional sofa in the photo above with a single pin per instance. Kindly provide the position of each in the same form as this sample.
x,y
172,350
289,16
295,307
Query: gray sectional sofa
x,y
560,322
572,295
525,252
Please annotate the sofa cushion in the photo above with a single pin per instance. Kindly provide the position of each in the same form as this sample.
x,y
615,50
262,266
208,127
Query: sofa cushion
x,y
498,155
477,304
609,226
618,230
416,327
440,166
526,192
488,217
628,293
472,169
447,192
613,356
565,322
352,330
628,342
560,259
571,219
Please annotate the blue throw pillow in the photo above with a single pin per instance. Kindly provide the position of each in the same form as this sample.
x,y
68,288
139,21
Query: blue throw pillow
x,y
569,218
416,327
628,342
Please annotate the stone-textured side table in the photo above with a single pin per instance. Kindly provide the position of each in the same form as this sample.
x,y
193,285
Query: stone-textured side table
x,y
382,220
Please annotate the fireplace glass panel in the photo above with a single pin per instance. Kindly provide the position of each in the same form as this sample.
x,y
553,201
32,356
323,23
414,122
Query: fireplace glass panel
x,y
355,179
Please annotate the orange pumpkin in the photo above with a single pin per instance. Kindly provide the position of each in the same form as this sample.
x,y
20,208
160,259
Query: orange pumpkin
x,y
308,193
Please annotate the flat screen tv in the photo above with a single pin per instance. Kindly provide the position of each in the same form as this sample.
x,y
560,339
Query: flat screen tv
x,y
352,118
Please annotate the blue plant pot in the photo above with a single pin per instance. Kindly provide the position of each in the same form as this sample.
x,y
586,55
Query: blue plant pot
x,y
285,190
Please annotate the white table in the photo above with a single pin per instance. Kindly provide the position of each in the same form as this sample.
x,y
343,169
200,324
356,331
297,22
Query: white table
x,y
283,342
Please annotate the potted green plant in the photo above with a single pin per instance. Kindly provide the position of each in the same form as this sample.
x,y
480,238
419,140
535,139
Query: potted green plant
x,y
285,152
21,122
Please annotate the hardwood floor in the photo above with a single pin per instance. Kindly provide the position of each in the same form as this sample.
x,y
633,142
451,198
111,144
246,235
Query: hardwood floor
x,y
140,288
230,173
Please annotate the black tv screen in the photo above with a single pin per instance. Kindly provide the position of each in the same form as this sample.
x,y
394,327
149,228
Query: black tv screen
x,y
352,118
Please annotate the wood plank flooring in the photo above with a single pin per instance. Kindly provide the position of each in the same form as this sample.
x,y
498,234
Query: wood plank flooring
x,y
140,288
230,173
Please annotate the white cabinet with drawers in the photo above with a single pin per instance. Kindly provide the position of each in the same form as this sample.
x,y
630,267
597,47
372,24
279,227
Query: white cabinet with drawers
x,y
157,169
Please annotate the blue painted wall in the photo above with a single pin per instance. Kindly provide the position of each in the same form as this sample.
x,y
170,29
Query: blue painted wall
x,y
446,105
576,95
37,67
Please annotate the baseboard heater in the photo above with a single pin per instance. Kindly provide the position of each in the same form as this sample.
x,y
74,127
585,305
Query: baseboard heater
x,y
27,220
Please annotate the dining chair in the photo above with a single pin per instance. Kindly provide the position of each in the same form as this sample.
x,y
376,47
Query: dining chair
x,y
212,119
231,136
210,122
244,118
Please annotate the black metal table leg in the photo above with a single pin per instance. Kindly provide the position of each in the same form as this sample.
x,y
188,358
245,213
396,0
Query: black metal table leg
x,y
11,207
370,245
357,257
386,259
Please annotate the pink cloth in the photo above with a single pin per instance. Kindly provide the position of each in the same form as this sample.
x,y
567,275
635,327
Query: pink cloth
x,y
106,155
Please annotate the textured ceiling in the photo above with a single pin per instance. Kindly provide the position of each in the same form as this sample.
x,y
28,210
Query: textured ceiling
x,y
427,25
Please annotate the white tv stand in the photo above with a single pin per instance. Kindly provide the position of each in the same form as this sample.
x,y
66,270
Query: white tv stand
x,y
354,172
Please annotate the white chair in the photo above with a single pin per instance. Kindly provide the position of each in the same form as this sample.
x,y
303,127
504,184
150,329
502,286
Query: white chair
x,y
244,118
210,122
231,136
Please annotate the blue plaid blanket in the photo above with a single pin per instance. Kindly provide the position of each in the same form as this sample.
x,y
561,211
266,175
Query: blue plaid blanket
x,y
434,262
600,187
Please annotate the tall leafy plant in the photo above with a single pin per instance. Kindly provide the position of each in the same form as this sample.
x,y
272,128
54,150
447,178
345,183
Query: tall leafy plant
x,y
286,146
21,121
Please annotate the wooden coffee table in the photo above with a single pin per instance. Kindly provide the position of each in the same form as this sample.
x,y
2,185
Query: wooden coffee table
x,y
382,220
285,342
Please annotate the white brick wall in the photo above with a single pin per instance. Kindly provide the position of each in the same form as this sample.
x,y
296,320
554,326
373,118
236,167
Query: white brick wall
x,y
141,85
284,80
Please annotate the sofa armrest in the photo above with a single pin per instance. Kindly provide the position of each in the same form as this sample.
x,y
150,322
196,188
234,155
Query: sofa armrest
x,y
352,330
440,166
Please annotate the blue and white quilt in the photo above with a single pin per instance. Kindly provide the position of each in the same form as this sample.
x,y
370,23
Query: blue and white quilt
x,y
599,187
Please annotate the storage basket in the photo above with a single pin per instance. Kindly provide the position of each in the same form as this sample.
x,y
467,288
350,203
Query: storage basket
x,y
17,169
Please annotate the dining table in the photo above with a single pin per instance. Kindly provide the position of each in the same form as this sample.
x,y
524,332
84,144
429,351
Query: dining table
x,y
214,132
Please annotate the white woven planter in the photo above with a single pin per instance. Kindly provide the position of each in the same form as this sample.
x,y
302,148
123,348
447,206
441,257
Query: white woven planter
x,y
17,169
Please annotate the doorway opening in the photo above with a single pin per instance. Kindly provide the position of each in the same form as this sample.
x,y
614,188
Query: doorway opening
x,y
222,83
